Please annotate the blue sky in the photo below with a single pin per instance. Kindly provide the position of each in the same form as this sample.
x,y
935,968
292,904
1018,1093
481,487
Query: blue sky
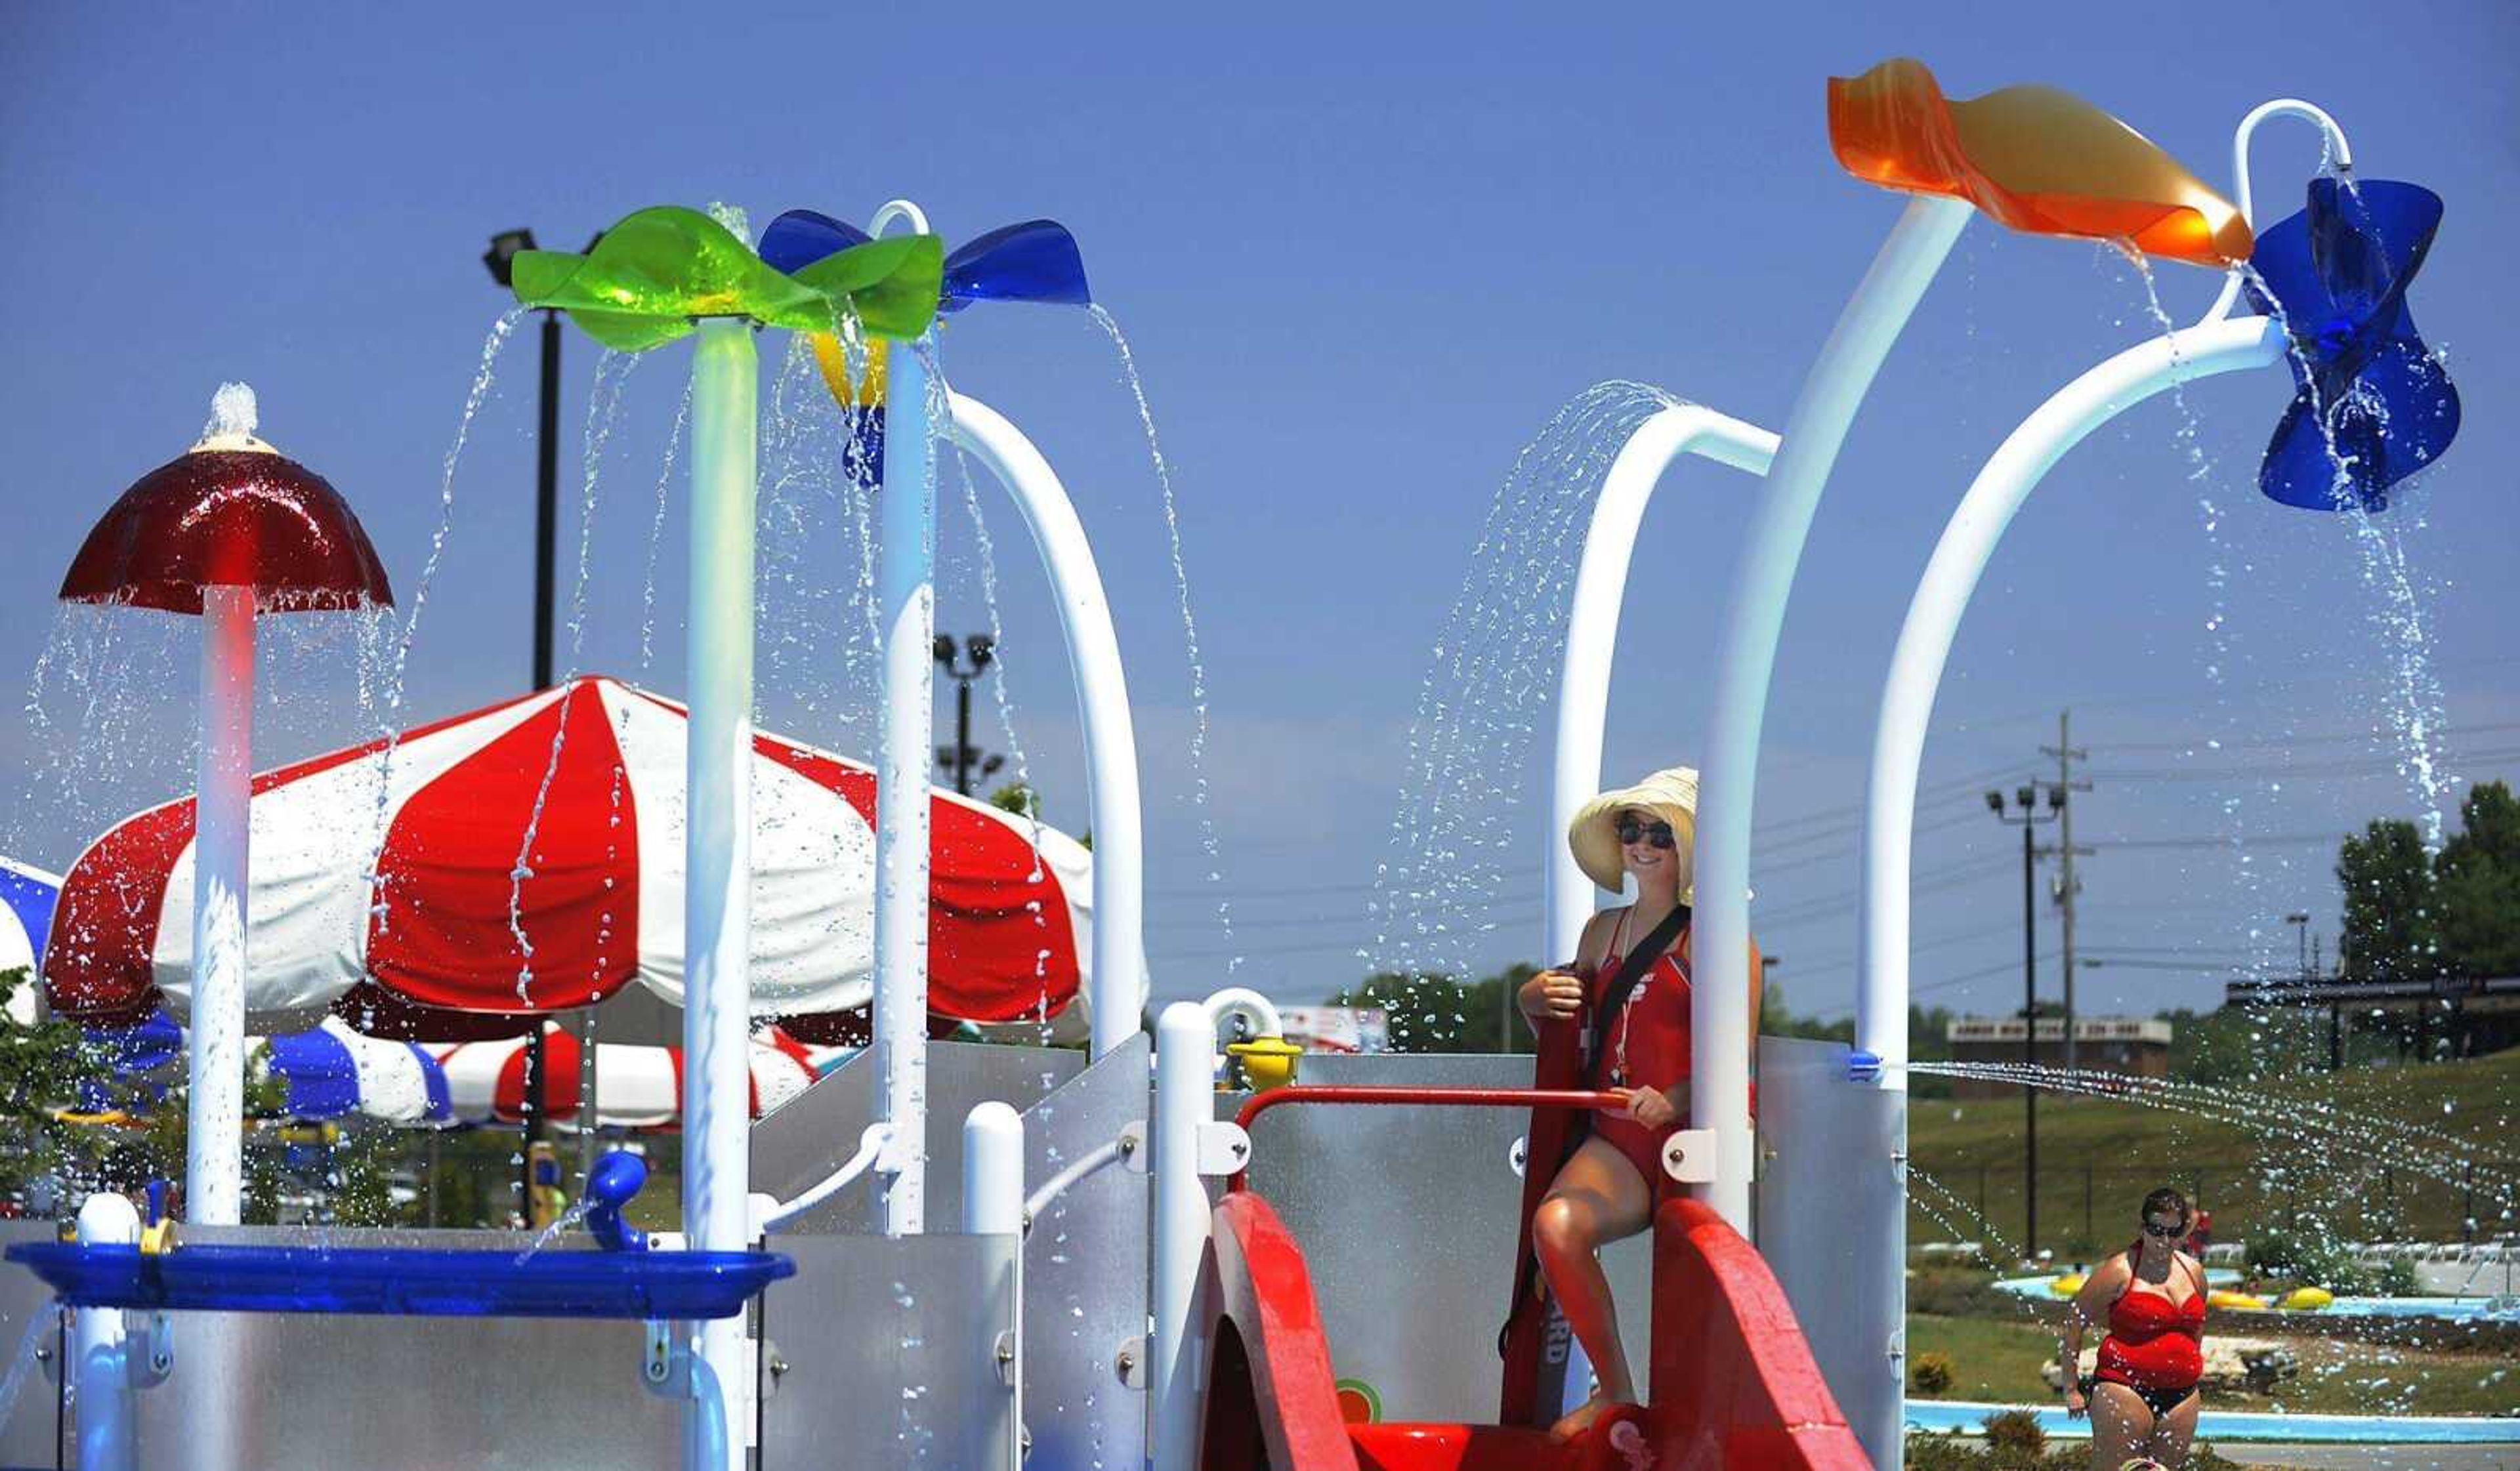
x,y
1362,256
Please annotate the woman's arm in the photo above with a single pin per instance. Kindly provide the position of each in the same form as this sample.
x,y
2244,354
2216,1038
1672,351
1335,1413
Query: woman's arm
x,y
1557,993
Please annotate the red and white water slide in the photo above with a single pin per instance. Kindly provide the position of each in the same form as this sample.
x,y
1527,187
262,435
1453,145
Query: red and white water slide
x,y
1734,1383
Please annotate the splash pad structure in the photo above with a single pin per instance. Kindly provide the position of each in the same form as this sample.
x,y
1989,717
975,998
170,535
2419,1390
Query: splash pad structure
x,y
1216,1345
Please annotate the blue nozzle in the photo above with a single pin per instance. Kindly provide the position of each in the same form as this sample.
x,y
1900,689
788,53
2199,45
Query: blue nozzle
x,y
1863,1067
615,1179
156,1196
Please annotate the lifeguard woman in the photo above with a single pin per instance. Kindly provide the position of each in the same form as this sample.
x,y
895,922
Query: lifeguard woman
x,y
1629,984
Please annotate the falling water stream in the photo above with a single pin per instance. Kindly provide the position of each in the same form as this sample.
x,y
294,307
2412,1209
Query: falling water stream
x,y
1207,840
391,681
1455,870
603,412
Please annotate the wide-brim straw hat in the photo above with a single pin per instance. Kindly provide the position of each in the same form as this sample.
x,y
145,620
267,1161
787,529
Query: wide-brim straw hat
x,y
1594,835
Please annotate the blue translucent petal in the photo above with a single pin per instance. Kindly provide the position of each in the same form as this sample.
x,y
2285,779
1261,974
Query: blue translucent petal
x,y
2373,406
2370,240
1034,261
801,236
2396,417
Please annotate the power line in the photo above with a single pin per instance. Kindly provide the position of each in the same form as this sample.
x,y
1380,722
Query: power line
x,y
2368,734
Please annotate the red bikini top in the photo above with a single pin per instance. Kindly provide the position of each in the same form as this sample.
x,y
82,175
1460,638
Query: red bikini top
x,y
2140,1316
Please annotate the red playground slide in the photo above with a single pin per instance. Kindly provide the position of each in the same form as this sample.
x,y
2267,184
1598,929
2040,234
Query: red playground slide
x,y
1733,1382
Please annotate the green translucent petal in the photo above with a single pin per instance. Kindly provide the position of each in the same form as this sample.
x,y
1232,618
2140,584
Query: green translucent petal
x,y
656,270
892,284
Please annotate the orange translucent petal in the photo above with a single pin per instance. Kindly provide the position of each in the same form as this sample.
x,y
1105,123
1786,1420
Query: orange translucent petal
x,y
2035,158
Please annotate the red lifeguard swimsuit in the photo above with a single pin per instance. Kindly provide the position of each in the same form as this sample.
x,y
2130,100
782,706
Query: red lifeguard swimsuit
x,y
1644,1045
2153,1344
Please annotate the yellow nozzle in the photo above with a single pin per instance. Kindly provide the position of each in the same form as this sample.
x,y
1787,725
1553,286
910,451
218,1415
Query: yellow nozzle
x,y
1267,1061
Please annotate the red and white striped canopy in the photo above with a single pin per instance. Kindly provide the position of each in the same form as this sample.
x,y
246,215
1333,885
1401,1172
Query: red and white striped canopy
x,y
600,902
640,1087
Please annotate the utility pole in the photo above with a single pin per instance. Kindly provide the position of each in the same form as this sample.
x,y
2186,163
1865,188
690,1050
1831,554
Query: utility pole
x,y
2027,796
2067,885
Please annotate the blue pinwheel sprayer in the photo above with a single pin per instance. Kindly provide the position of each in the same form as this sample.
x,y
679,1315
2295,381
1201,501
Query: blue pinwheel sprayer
x,y
1018,1254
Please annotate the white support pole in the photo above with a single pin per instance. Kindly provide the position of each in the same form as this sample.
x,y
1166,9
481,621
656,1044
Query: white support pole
x,y
1942,597
1118,968
101,1379
993,1205
1754,616
1185,1099
717,900
214,1137
906,601
1592,630
1952,575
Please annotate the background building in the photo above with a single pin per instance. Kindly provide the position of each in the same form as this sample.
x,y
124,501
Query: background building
x,y
2139,1045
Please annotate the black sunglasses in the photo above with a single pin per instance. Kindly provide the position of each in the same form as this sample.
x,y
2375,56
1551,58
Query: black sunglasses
x,y
2164,1232
1633,830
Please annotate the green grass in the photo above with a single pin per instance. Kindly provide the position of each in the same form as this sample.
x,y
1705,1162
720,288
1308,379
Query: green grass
x,y
2097,1157
2000,1361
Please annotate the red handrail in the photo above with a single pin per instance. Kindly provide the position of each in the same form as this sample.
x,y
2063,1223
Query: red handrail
x,y
1461,1097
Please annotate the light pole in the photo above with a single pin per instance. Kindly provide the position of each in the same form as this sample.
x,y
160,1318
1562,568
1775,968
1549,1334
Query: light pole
x,y
962,756
2025,798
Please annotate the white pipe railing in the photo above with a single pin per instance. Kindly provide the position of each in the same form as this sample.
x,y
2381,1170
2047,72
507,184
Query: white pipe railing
x,y
1592,631
1118,962
779,1215
1185,1103
1754,616
1120,1149
993,1205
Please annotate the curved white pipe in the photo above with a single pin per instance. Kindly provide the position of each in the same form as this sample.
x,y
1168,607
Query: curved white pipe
x,y
870,1144
1762,577
2340,153
1933,619
899,209
1119,958
1247,1003
1592,630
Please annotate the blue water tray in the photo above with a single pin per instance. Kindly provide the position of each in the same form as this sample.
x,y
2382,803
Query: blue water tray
x,y
405,1280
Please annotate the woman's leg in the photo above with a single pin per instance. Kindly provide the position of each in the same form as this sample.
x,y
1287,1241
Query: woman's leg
x,y
2172,1432
1596,1199
2120,1422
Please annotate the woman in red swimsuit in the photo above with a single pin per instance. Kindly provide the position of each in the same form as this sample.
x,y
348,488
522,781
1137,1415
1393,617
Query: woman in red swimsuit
x,y
1607,1190
2143,1400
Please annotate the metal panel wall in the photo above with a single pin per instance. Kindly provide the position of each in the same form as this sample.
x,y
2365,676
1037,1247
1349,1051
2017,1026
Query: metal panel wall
x,y
27,1428
889,1347
1408,1220
809,1136
1833,1222
1085,1271
405,1394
